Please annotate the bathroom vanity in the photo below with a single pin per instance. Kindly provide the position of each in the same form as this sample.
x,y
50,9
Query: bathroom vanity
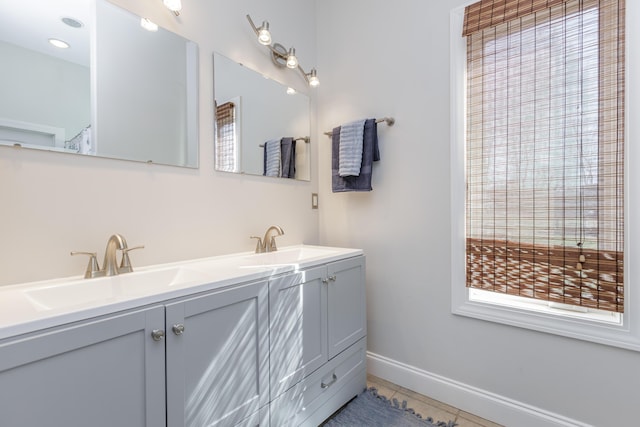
x,y
249,339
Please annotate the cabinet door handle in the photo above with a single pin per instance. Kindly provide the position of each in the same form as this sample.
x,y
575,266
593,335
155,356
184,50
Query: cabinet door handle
x,y
178,329
334,378
157,334
329,279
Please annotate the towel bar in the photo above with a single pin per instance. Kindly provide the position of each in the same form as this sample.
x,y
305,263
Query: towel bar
x,y
390,121
300,138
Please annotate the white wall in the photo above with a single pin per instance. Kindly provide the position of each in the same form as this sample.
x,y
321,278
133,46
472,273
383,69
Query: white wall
x,y
376,59
52,203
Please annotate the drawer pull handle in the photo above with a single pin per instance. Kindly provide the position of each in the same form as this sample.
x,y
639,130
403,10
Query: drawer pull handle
x,y
178,329
334,378
332,278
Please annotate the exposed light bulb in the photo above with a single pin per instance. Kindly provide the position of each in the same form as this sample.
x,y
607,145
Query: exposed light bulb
x,y
173,5
59,43
313,78
292,61
148,25
264,36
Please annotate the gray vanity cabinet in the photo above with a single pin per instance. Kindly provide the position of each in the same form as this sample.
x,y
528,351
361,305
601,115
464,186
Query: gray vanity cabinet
x,y
318,341
286,349
217,358
102,372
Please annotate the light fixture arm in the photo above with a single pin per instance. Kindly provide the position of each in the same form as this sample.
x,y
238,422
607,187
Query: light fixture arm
x,y
280,54
255,29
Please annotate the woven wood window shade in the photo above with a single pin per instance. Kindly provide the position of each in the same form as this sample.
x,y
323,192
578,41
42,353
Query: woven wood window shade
x,y
226,151
545,150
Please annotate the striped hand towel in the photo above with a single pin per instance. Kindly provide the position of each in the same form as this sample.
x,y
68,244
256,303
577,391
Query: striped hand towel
x,y
350,154
272,151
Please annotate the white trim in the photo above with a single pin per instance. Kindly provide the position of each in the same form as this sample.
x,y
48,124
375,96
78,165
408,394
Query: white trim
x,y
482,403
626,335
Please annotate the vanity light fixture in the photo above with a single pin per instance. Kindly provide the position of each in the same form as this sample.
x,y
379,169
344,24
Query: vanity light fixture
x,y
59,43
174,6
292,61
148,25
312,78
280,55
264,35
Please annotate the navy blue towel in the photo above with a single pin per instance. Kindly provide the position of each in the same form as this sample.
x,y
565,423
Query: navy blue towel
x,y
370,154
288,157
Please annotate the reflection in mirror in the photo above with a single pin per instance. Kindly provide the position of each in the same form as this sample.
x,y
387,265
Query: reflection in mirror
x,y
136,101
46,91
262,127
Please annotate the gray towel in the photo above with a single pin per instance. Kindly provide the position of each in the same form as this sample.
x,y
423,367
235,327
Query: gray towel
x,y
273,155
370,154
288,153
351,145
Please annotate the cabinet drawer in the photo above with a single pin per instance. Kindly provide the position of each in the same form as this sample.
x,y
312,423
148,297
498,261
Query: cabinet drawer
x,y
303,399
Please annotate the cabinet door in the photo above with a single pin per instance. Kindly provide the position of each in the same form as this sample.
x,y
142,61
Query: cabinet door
x,y
217,357
298,327
105,372
347,304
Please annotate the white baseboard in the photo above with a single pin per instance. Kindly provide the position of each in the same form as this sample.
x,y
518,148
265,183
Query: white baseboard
x,y
485,404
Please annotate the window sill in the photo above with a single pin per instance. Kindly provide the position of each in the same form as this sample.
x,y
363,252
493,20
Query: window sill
x,y
608,333
544,307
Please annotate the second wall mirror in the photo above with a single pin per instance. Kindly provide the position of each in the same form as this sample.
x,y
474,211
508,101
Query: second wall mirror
x,y
256,115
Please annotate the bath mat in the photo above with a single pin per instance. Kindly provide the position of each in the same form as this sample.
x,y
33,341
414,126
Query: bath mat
x,y
369,409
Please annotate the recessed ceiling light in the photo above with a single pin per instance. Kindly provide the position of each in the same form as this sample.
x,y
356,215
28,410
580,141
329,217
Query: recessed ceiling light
x,y
74,23
59,43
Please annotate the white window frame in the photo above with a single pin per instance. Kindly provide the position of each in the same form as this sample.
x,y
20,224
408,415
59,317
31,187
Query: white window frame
x,y
626,334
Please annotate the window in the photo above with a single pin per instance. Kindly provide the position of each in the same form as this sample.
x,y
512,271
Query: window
x,y
544,155
226,137
545,159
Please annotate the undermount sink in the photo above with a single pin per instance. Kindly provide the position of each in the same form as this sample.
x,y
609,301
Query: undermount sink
x,y
84,291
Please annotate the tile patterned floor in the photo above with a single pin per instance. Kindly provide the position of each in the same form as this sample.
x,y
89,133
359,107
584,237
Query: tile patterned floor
x,y
426,406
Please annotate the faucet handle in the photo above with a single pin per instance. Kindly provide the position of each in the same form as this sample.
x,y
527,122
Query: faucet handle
x,y
125,263
92,267
259,244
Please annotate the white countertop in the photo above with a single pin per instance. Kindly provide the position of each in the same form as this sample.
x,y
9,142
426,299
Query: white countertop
x,y
33,306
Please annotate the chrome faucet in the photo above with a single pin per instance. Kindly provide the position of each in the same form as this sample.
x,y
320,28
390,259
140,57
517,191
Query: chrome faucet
x,y
110,265
268,242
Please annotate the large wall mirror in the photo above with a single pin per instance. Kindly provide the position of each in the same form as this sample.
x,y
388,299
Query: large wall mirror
x,y
118,90
261,126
